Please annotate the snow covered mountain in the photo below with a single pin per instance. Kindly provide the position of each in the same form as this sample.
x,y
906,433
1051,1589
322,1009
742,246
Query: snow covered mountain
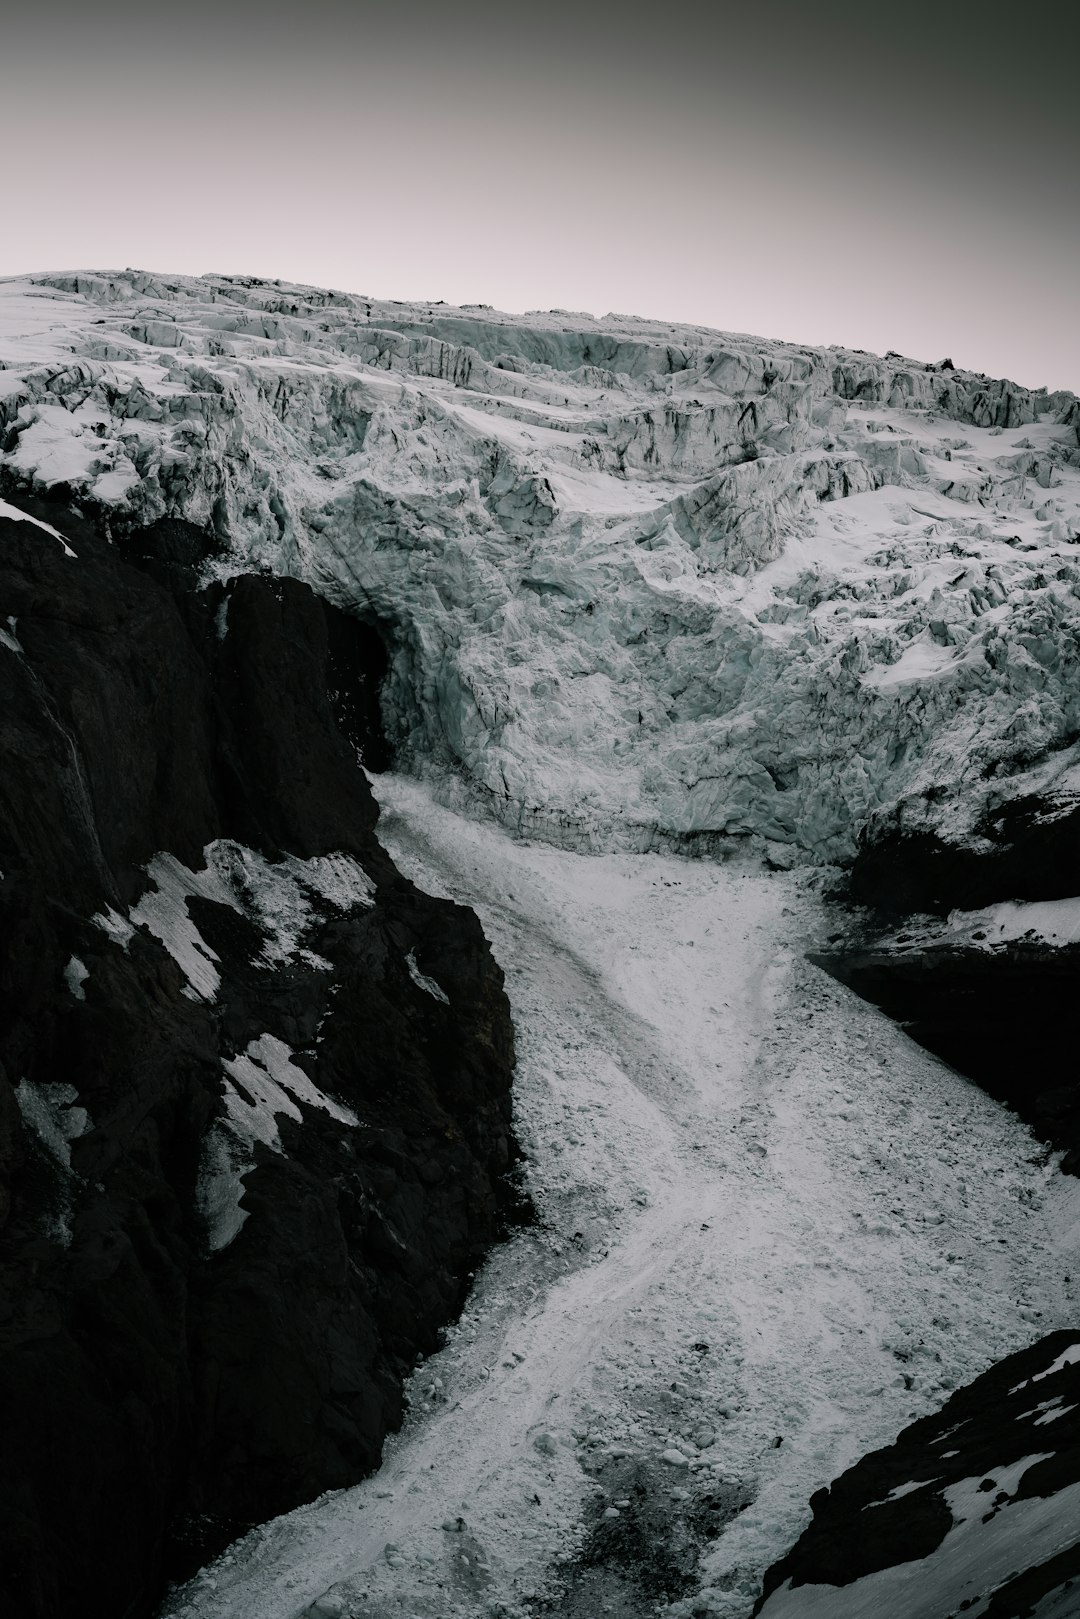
x,y
643,585
629,592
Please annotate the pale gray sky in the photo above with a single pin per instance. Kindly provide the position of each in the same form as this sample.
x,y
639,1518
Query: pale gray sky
x,y
885,177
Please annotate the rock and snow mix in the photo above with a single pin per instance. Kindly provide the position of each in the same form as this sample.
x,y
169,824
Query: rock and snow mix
x,y
263,1082
1050,922
282,898
772,1231
641,583
643,588
279,896
973,1510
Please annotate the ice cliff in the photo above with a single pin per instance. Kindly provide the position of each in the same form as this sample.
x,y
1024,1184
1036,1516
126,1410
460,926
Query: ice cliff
x,y
641,584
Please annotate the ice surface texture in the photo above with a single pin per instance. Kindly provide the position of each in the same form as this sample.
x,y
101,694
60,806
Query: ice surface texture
x,y
643,584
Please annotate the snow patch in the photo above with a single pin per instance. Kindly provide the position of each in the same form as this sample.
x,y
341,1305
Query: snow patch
x,y
263,1084
900,1491
1057,1409
163,912
922,659
7,510
75,975
115,926
281,897
1068,1357
1055,922
428,985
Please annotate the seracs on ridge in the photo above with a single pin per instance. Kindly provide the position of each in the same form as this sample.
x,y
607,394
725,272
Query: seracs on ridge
x,y
642,584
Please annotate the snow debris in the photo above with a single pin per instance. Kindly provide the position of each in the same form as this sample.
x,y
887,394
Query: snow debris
x,y
681,1291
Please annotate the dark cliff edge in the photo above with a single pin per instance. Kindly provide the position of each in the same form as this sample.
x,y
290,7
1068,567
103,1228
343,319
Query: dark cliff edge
x,y
1003,1014
975,1508
254,1085
942,942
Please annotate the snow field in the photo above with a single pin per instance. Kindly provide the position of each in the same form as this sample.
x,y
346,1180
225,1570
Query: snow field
x,y
772,1231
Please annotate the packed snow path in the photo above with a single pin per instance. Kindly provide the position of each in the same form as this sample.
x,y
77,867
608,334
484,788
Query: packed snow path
x,y
772,1230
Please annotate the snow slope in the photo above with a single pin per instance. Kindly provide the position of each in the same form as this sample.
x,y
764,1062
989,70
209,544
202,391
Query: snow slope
x,y
643,585
772,1231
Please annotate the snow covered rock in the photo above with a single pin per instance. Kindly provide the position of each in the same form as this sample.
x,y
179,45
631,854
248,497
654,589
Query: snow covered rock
x,y
974,1509
247,1161
641,584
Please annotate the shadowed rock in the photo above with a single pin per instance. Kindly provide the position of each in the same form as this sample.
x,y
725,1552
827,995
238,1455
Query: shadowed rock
x,y
247,1161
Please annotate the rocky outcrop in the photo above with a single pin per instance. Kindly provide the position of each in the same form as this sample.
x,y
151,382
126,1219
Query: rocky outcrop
x,y
254,1086
975,1508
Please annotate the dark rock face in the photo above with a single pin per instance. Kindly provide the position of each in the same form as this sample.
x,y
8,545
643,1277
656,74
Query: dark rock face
x,y
1002,1013
977,1504
1005,1016
212,1279
1028,849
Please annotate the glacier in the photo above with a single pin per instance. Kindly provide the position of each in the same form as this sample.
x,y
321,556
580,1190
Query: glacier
x,y
645,591
643,586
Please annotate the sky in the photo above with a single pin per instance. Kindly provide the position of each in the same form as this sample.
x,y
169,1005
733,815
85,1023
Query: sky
x,y
881,176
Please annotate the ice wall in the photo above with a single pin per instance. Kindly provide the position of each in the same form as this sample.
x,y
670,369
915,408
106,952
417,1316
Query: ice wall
x,y
642,583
